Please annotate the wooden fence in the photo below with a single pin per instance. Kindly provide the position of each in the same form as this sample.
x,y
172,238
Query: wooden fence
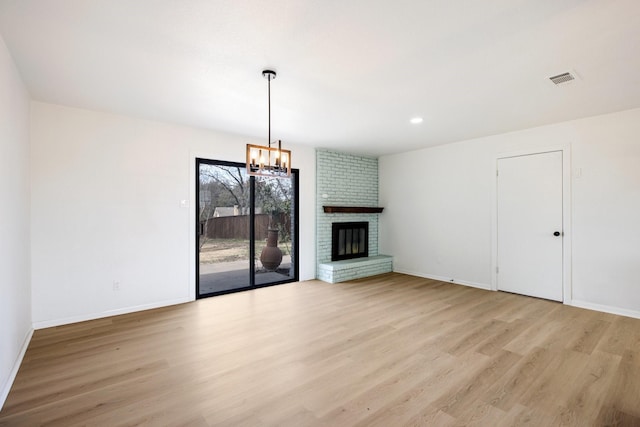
x,y
237,227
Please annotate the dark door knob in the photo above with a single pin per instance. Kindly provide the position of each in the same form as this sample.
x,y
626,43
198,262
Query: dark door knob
x,y
556,233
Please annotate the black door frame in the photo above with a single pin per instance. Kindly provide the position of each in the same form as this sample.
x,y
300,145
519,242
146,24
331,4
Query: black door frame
x,y
295,176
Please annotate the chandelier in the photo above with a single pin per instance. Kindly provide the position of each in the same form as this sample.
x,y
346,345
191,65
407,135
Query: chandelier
x,y
267,160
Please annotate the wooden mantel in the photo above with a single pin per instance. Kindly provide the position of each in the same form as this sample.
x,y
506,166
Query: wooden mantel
x,y
352,209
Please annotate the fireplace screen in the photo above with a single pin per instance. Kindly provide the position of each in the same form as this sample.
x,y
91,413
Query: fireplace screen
x,y
349,240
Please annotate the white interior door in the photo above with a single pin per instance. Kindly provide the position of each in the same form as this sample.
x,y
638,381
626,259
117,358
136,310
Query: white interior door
x,y
530,225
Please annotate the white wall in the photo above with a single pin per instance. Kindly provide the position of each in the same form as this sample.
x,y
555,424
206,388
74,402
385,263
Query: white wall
x,y
106,193
15,291
447,193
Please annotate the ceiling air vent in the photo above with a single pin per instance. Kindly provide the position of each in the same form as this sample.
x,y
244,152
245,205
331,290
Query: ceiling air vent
x,y
562,78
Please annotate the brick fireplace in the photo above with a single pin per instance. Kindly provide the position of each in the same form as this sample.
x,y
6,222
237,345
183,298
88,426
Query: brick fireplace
x,y
347,180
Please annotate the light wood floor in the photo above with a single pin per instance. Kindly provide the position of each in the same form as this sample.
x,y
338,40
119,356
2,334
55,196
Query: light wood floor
x,y
392,350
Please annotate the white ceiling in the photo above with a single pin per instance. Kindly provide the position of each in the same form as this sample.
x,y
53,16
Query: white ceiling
x,y
351,73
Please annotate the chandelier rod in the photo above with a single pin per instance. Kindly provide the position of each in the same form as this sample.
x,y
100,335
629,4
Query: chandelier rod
x,y
269,96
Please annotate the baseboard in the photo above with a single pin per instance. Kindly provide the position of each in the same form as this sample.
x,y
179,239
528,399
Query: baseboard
x,y
576,303
16,366
605,308
444,279
109,313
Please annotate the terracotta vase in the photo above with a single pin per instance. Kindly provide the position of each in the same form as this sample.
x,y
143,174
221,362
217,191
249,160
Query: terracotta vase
x,y
271,255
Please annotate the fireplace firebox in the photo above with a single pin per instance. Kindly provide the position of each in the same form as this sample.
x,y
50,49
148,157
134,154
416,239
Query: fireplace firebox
x,y
349,240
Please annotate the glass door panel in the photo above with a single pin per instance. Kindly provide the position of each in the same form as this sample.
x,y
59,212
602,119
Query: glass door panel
x,y
224,228
274,225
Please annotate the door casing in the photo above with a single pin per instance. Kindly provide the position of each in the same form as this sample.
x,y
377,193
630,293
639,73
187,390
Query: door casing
x,y
529,212
566,213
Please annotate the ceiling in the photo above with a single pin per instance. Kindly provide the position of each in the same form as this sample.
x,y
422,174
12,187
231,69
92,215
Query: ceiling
x,y
351,73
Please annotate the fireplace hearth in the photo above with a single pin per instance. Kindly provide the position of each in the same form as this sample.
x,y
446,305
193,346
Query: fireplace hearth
x,y
349,240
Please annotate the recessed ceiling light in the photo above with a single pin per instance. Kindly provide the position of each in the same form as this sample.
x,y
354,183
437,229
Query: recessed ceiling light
x,y
416,120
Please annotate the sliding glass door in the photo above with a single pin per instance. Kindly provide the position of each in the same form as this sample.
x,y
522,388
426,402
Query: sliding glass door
x,y
246,229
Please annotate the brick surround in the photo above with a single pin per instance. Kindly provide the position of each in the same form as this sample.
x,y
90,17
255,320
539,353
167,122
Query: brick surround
x,y
346,180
